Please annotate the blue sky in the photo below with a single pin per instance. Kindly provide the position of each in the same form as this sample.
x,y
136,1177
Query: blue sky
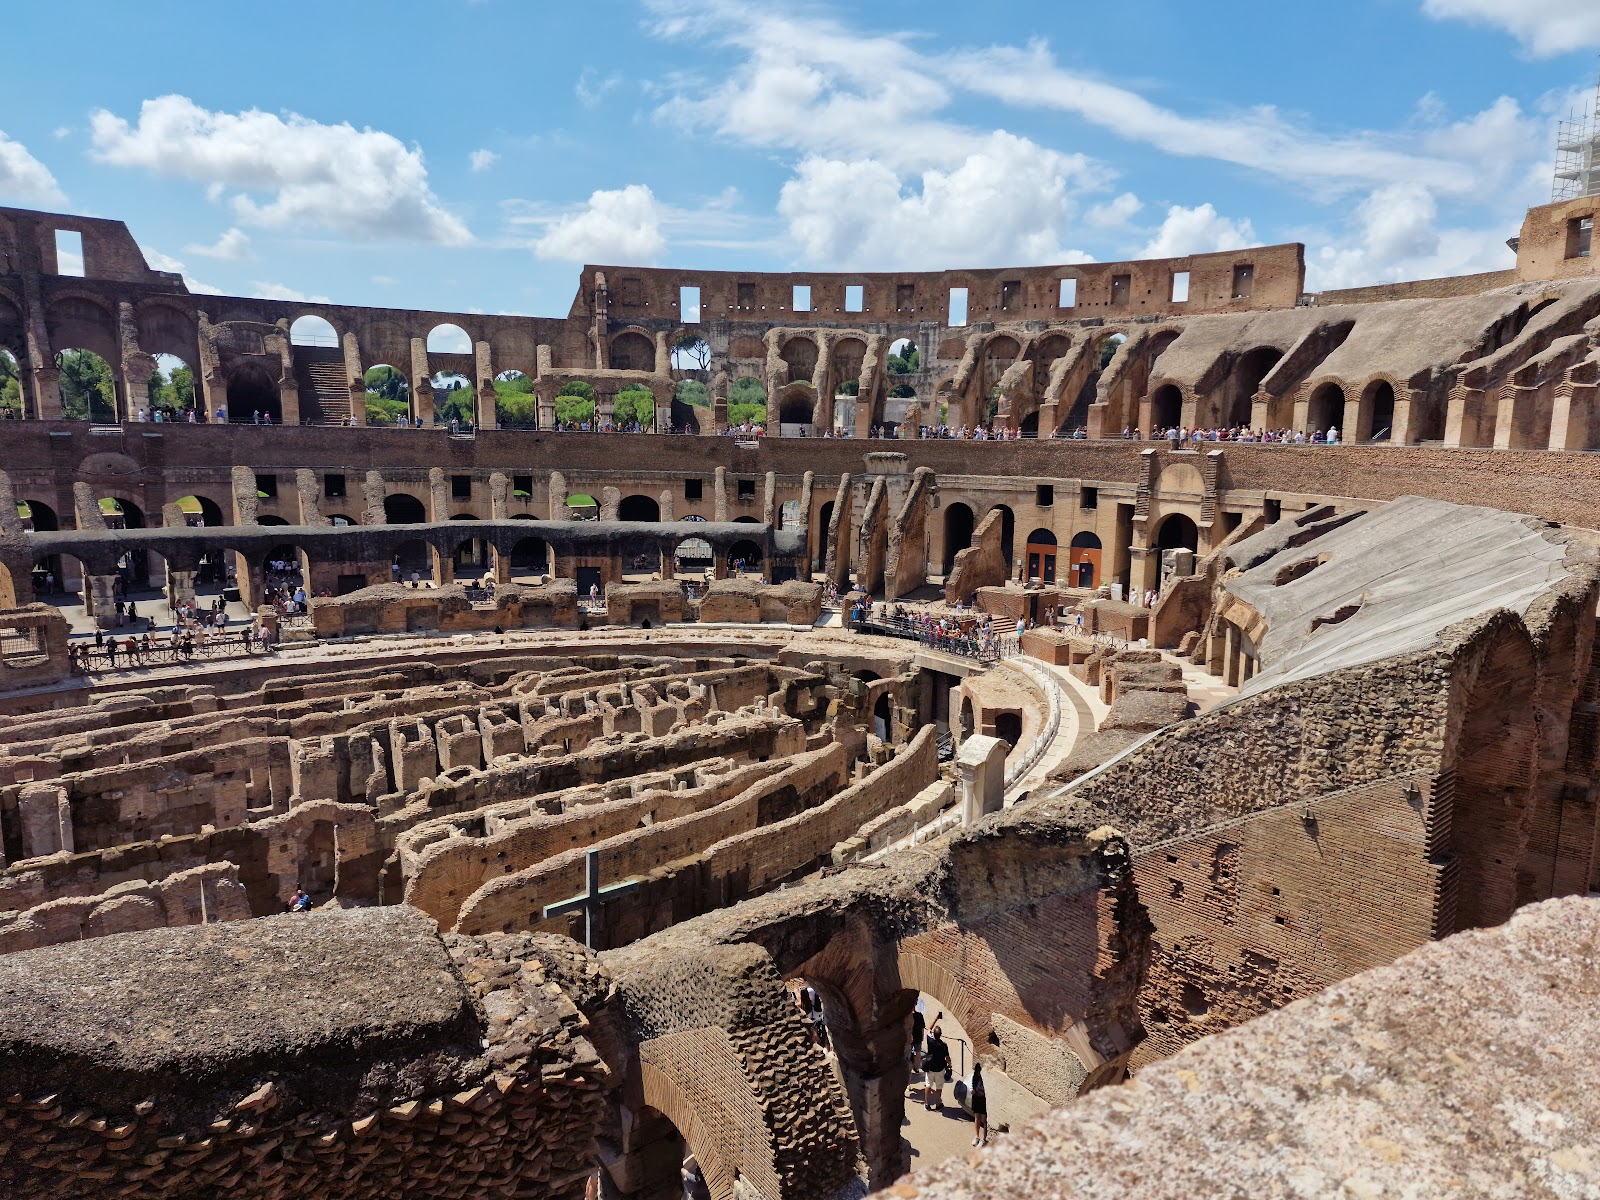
x,y
471,154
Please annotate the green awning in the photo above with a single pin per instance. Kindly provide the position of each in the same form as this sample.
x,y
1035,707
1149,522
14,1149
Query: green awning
x,y
580,500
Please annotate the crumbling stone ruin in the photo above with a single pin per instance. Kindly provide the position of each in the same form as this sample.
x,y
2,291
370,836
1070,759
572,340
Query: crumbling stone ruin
x,y
1198,761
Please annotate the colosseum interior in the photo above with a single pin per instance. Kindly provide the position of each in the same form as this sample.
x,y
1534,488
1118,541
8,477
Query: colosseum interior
x,y
1234,800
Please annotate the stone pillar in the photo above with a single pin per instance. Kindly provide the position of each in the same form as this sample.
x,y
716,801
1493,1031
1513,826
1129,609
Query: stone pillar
x,y
1230,654
605,408
982,761
180,587
47,393
421,384
719,495
719,561
100,599
1048,416
289,401
45,814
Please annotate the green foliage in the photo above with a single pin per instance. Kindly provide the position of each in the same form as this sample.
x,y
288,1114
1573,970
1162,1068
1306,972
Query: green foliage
x,y
579,388
1109,350
10,383
572,407
850,387
747,391
902,391
635,405
455,404
514,401
756,414
692,391
172,394
388,396
906,364
87,392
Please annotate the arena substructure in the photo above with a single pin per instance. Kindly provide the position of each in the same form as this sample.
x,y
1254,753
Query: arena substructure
x,y
1239,801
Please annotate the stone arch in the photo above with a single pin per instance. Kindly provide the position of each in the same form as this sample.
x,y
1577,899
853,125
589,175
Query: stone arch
x,y
1166,407
847,358
1041,557
795,407
402,508
1177,531
1236,404
1325,410
633,350
252,389
1084,560
1000,351
477,550
167,329
666,1100
747,551
1376,420
312,329
79,321
799,354
448,338
415,556
638,508
959,523
529,560
199,510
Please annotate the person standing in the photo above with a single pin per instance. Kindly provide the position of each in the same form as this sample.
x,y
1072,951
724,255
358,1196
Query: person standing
x,y
919,1029
978,1097
934,1065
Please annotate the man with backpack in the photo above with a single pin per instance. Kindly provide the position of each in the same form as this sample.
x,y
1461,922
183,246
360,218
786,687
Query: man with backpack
x,y
935,1063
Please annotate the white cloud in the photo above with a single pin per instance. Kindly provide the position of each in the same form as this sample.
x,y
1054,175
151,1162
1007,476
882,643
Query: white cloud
x,y
1260,138
1545,27
482,160
591,89
385,280
232,246
1005,204
277,291
1200,230
1114,214
358,182
621,225
1396,236
23,178
61,131
165,262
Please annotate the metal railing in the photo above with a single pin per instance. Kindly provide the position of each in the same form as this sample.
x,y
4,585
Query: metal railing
x,y
965,645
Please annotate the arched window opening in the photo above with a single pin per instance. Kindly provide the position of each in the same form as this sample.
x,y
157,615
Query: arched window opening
x,y
449,339
1178,532
638,508
1325,413
311,330
744,558
401,509
1166,407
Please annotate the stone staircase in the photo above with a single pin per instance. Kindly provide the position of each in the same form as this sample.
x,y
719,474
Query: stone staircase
x,y
1003,626
324,390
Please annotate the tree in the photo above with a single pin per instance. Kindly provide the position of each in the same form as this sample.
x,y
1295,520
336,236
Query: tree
x,y
902,391
388,395
635,405
692,391
10,383
850,387
87,390
514,401
1108,351
692,348
747,391
755,414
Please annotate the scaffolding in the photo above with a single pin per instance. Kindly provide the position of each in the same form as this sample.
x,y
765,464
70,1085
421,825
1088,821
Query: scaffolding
x,y
1578,154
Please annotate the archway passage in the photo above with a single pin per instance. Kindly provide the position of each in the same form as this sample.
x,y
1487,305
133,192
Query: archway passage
x,y
1041,552
401,509
1166,407
449,339
824,520
199,511
1381,404
170,390
388,396
413,563
1008,728
795,409
744,558
633,351
958,526
800,357
454,400
1238,400
530,560
284,570
11,406
638,508
693,554
252,395
88,388
1084,560
1325,413
1178,532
